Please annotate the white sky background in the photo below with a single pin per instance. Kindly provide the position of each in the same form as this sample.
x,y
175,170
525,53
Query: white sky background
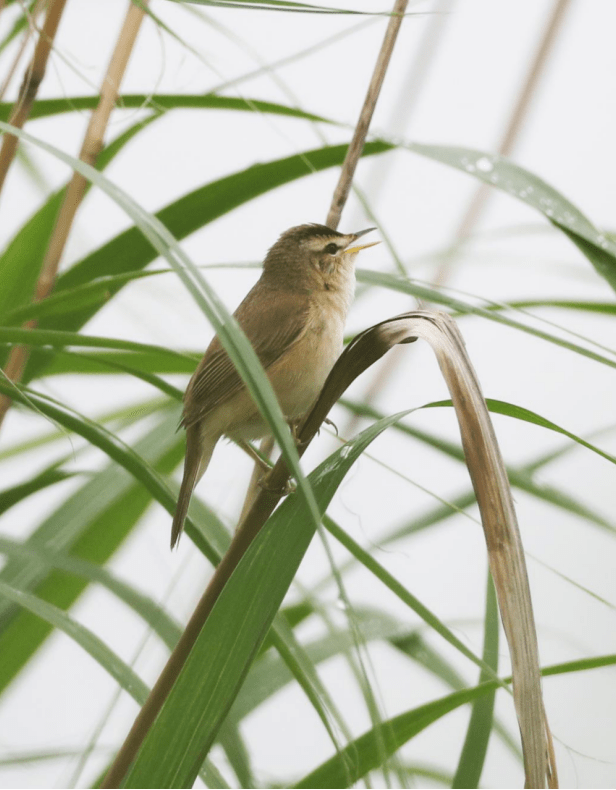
x,y
464,101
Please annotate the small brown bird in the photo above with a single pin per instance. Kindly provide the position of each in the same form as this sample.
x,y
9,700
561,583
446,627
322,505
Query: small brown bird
x,y
294,318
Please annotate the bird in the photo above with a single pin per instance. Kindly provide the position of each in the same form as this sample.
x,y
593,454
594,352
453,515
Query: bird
x,y
294,318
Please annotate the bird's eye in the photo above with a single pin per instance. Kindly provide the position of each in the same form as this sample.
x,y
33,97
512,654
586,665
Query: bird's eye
x,y
331,249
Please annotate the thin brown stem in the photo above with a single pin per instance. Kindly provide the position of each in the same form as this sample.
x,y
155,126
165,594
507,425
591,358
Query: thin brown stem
x,y
29,87
410,91
38,7
356,147
90,149
407,101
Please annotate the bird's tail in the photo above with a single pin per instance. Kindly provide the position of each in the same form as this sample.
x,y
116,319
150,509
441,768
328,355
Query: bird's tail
x,y
198,456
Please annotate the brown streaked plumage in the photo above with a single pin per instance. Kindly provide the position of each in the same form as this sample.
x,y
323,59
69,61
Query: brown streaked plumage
x,y
294,318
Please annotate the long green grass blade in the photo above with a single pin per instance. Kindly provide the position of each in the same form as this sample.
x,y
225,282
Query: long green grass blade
x,y
401,592
168,629
520,477
58,339
48,477
18,26
44,108
514,180
605,308
472,758
363,754
97,362
526,415
56,618
192,714
91,524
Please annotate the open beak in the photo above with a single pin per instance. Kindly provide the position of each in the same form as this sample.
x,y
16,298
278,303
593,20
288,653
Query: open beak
x,y
352,250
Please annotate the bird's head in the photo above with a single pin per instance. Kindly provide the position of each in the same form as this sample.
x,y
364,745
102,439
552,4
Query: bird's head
x,y
306,250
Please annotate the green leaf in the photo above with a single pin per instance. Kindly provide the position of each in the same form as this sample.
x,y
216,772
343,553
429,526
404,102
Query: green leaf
x,y
401,592
365,753
97,362
55,618
44,108
520,477
19,25
201,697
475,746
156,617
91,524
536,193
58,339
526,415
94,294
48,477
607,308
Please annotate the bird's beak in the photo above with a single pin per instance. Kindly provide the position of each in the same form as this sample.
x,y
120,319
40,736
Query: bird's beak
x,y
355,250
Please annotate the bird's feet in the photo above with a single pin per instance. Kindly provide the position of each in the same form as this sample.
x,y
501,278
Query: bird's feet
x,y
295,425
288,488
250,450
331,423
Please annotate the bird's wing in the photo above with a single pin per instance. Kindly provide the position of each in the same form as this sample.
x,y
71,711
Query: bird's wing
x,y
280,321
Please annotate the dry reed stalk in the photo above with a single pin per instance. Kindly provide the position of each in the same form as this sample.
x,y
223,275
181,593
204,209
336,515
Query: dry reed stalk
x,y
29,87
38,7
356,146
91,147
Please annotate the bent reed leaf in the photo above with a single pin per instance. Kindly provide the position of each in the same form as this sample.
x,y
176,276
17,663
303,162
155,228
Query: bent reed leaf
x,y
488,475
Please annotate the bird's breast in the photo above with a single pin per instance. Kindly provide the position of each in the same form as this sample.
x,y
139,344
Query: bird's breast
x,y
300,374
